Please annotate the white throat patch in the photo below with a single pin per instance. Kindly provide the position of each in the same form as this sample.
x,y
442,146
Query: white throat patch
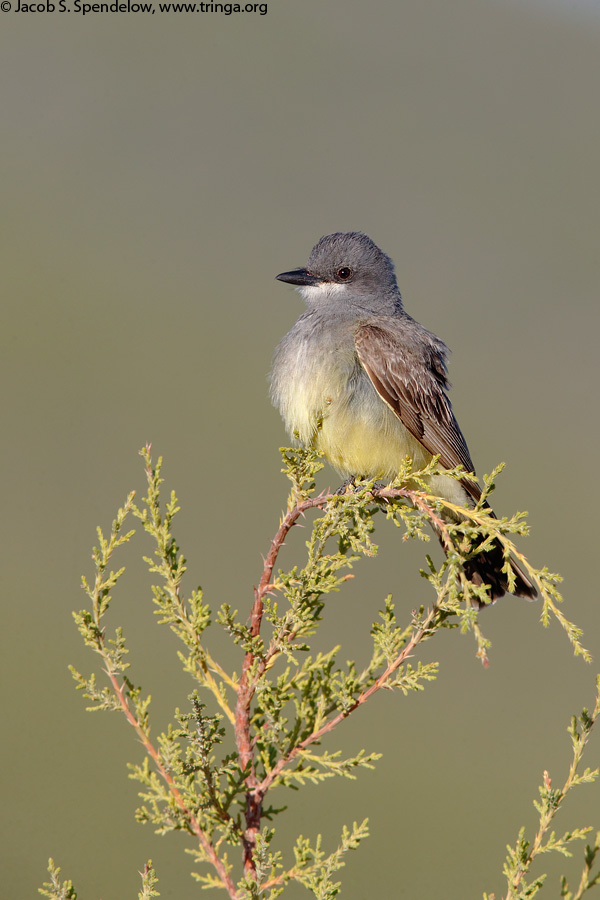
x,y
322,292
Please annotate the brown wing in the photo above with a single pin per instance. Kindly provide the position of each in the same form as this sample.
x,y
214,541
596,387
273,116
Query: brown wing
x,y
408,372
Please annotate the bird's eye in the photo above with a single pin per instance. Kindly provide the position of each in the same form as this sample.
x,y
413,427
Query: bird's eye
x,y
344,274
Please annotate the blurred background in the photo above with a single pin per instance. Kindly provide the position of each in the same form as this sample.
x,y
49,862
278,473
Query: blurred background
x,y
157,173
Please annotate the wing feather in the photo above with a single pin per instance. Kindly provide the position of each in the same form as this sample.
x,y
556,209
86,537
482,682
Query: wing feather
x,y
408,372
410,376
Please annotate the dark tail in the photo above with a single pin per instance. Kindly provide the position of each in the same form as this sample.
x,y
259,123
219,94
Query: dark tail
x,y
486,568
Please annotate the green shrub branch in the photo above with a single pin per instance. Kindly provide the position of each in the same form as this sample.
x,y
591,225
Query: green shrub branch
x,y
286,699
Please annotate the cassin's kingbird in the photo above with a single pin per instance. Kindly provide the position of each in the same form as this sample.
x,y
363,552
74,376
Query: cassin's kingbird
x,y
360,380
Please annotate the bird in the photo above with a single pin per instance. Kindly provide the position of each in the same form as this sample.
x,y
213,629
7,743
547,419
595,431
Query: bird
x,y
361,381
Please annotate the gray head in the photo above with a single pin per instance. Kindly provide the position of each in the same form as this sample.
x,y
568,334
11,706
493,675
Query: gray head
x,y
349,268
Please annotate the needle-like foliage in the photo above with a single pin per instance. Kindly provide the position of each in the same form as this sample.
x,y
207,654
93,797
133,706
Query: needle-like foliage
x,y
278,708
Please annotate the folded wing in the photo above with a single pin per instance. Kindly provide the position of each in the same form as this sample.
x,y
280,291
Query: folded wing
x,y
412,381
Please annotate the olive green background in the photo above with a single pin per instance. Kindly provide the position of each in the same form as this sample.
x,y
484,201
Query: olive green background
x,y
157,173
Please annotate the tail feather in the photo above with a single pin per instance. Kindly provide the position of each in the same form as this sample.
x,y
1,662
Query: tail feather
x,y
486,568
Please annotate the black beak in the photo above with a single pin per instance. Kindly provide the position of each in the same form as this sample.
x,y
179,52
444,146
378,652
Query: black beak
x,y
298,276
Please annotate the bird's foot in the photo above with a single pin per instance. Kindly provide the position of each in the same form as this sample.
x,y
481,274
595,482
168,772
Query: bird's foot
x,y
350,486
347,487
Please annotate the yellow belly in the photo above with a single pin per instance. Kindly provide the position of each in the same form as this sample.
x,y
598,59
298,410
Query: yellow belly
x,y
328,402
371,442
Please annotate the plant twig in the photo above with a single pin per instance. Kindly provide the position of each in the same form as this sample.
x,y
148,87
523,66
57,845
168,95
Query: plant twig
x,y
192,821
362,698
